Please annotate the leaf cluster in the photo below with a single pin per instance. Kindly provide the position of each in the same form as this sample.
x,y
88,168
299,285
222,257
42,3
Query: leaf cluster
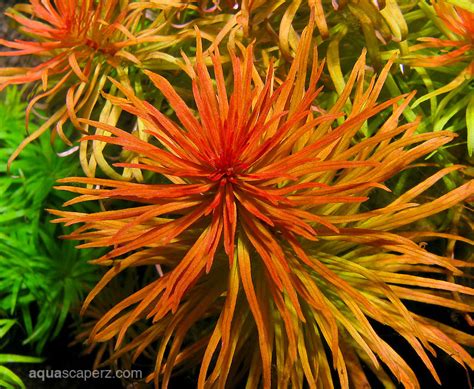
x,y
41,277
8,379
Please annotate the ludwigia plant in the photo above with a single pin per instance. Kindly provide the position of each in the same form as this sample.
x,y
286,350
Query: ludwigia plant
x,y
277,25
121,287
451,54
270,268
79,44
458,25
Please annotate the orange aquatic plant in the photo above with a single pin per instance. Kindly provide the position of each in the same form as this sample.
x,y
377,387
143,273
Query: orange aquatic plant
x,y
458,24
79,44
255,218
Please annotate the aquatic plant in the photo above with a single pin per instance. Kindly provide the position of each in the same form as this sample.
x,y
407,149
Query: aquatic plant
x,y
79,44
8,379
253,217
452,53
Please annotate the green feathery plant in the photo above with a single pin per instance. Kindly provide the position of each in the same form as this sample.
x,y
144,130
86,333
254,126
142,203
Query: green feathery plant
x,y
28,184
41,277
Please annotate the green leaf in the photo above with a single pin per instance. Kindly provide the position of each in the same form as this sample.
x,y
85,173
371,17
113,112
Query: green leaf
x,y
67,302
470,125
11,215
8,379
27,319
13,358
15,291
5,325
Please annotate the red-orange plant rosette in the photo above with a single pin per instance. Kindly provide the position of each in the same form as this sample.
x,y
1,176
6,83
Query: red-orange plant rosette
x,y
459,24
79,43
256,221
